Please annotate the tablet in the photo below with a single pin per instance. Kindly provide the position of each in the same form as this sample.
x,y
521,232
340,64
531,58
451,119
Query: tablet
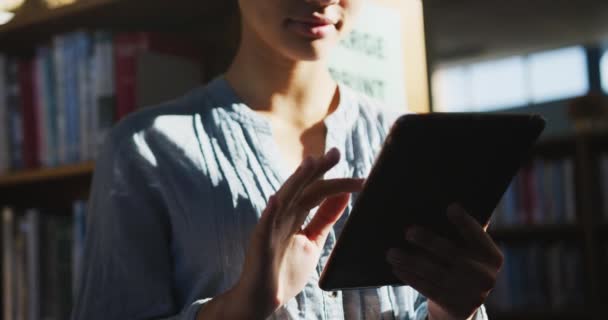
x,y
427,162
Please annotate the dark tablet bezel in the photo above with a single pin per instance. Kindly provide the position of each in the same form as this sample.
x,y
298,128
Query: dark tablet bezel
x,y
504,140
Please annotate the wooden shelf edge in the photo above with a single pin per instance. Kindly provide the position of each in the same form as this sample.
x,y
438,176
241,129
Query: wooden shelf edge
x,y
40,15
46,174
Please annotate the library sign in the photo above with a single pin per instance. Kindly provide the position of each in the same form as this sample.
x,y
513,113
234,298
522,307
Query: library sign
x,y
371,58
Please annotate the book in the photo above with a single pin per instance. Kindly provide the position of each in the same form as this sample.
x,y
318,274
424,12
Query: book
x,y
20,286
558,192
48,98
604,184
569,191
103,89
39,96
59,49
30,127
161,77
72,107
127,48
14,113
4,123
84,57
30,227
78,236
8,271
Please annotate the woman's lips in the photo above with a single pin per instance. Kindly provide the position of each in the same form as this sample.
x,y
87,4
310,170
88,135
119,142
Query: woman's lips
x,y
316,29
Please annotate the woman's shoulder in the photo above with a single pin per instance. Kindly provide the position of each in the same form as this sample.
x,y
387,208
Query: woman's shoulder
x,y
174,118
147,117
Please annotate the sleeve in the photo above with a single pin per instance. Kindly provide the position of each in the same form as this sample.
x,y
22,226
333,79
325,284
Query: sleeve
x,y
127,264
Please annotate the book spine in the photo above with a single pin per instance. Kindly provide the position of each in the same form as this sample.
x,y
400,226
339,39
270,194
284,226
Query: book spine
x,y
548,195
604,185
539,205
558,192
30,119
79,231
8,257
35,147
15,115
125,52
104,112
49,283
71,98
127,47
569,191
50,91
32,248
83,56
64,264
59,69
20,273
41,108
525,192
4,132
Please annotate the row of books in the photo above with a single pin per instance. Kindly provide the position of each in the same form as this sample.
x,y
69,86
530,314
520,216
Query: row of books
x,y
539,277
541,193
58,102
41,260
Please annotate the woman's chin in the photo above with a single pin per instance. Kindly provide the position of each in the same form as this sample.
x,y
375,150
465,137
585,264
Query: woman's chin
x,y
311,51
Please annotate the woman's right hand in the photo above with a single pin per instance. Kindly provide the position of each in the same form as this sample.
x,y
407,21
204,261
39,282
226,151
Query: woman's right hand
x,y
282,255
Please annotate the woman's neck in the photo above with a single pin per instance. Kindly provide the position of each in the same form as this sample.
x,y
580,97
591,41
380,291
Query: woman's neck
x,y
302,93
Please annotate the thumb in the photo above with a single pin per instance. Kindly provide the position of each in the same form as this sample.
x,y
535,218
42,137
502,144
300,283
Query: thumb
x,y
328,213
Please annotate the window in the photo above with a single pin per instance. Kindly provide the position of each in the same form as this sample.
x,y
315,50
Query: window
x,y
498,84
558,74
455,87
604,71
512,82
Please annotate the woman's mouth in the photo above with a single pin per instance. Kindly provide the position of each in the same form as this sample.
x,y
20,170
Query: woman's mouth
x,y
314,28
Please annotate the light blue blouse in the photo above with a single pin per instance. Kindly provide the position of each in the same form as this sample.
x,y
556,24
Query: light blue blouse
x,y
179,187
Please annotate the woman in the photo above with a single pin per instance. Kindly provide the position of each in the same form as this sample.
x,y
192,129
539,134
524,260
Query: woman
x,y
194,214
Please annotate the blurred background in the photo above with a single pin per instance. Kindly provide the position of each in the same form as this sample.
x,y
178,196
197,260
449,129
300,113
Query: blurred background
x,y
70,69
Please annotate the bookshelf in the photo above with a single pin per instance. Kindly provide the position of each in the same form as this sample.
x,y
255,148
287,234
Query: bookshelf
x,y
584,235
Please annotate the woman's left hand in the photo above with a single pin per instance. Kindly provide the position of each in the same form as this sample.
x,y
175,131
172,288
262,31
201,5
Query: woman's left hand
x,y
456,279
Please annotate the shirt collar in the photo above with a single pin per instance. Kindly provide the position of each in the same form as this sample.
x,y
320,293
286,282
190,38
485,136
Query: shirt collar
x,y
338,122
